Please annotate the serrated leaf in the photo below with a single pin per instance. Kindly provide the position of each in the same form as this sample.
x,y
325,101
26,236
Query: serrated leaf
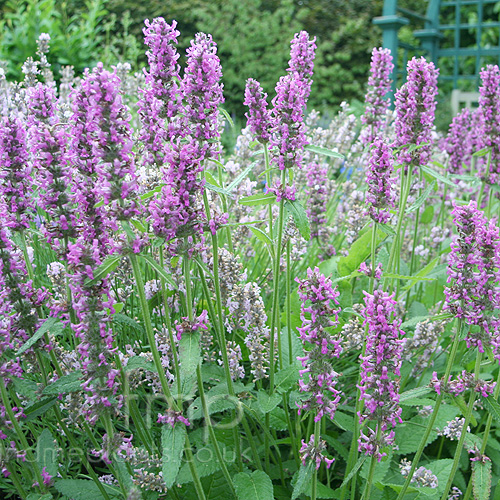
x,y
442,470
81,489
323,151
52,325
125,320
303,475
138,362
25,387
67,383
267,402
172,445
256,485
481,480
39,408
164,274
420,200
205,462
240,177
492,406
190,356
286,379
357,466
107,267
257,199
297,211
437,176
414,393
47,452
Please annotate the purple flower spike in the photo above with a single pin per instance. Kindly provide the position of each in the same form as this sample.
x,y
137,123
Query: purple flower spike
x,y
321,379
379,368
489,105
459,144
302,53
258,116
415,107
379,84
380,193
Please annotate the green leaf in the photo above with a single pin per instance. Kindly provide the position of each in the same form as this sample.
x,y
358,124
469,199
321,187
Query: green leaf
x,y
172,445
344,421
153,264
357,466
256,485
296,210
205,462
138,362
324,151
381,468
438,176
151,193
442,470
427,215
67,383
492,406
138,225
360,250
46,452
39,496
267,402
286,379
82,489
39,408
261,235
386,229
481,480
482,152
303,475
403,277
258,199
210,178
190,356
214,187
126,321
227,116
107,267
52,325
240,177
420,200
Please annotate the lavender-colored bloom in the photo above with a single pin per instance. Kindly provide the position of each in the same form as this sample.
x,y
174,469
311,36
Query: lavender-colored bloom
x,y
202,91
458,143
302,53
415,107
47,141
317,195
473,272
321,379
16,184
379,83
489,105
258,116
171,417
382,358
380,194
310,452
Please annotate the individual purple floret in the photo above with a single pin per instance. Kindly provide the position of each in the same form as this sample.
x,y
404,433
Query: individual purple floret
x,y
379,371
415,108
379,84
380,194
16,184
258,116
489,105
317,376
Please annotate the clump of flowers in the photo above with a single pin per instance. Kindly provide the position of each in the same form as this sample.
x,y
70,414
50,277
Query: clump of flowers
x,y
258,116
382,358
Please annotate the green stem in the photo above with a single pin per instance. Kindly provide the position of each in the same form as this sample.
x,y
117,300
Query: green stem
x,y
314,485
468,417
289,301
374,249
268,185
373,463
433,416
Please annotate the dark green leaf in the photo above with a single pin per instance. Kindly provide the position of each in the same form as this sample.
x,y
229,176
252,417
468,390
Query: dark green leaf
x,y
253,486
107,267
296,210
240,177
138,362
52,325
357,466
67,383
172,444
303,477
164,274
492,406
438,176
190,355
267,402
481,480
287,378
420,200
81,489
47,452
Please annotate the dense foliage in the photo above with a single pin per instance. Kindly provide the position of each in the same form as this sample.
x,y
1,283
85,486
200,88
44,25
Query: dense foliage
x,y
314,314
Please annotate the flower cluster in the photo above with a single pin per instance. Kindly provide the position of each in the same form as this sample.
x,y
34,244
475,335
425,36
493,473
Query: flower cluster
x,y
462,383
258,116
379,84
458,144
380,194
317,376
382,357
314,453
473,276
415,108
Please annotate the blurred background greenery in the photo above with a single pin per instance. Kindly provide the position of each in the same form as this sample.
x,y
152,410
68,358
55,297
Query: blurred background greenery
x,y
253,37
